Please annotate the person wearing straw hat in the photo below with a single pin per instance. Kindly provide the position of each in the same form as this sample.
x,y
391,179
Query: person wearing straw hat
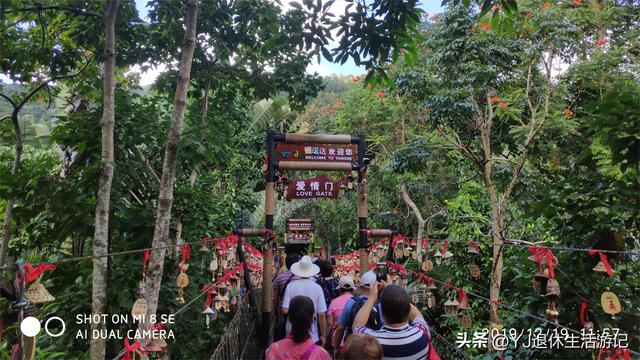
x,y
306,286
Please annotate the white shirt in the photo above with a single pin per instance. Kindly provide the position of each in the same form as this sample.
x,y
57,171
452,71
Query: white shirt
x,y
310,289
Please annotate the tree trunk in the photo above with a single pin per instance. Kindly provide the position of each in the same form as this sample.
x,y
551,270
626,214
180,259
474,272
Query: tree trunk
x,y
8,212
101,232
165,198
416,212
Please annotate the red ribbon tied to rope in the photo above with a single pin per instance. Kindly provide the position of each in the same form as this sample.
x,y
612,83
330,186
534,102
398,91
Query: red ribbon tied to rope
x,y
208,288
186,253
584,306
145,260
130,349
539,252
603,259
462,295
447,285
474,244
31,273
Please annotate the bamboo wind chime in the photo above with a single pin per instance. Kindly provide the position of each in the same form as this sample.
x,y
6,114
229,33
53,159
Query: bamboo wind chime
x,y
139,308
183,280
608,300
544,257
36,293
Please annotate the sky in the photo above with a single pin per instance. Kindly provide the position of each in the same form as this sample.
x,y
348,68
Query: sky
x,y
324,68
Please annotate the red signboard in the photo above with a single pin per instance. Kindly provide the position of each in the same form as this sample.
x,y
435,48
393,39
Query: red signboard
x,y
299,224
318,187
316,152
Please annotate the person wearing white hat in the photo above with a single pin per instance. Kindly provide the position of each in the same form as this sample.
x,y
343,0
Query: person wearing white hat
x,y
346,287
351,308
305,286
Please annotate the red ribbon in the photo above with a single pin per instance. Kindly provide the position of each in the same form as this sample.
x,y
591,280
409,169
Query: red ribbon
x,y
618,353
624,354
145,260
474,244
539,252
462,295
445,246
158,326
603,259
497,302
425,243
31,273
583,311
208,288
447,285
186,253
129,349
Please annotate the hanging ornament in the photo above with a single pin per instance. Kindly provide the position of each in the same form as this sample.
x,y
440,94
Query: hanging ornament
x,y
474,270
553,290
472,248
584,306
408,250
208,315
603,264
139,308
427,265
438,257
37,293
552,313
463,305
183,280
610,303
431,299
451,306
446,254
465,321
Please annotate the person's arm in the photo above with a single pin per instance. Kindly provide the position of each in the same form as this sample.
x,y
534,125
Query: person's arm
x,y
363,314
337,340
414,313
285,301
322,320
330,319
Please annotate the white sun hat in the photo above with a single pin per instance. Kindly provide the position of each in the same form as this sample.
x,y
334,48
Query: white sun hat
x,y
346,282
305,268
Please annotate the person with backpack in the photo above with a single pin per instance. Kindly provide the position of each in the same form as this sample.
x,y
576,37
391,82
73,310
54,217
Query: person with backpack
x,y
351,308
345,287
299,344
280,284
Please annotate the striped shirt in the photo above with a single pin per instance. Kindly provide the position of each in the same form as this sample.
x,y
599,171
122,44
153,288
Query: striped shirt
x,y
409,342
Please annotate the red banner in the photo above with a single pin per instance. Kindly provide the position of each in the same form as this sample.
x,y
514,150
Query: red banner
x,y
318,187
316,152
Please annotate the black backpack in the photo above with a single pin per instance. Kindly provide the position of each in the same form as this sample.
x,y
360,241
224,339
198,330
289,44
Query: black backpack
x,y
375,318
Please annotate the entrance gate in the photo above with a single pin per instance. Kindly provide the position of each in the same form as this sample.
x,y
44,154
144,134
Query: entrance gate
x,y
311,152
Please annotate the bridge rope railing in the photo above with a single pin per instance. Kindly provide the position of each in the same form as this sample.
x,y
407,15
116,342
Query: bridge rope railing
x,y
240,340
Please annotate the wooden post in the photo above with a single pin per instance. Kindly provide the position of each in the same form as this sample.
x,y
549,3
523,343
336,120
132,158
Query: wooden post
x,y
362,208
267,263
247,278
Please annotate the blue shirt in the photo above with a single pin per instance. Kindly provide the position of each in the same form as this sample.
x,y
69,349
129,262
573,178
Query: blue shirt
x,y
410,342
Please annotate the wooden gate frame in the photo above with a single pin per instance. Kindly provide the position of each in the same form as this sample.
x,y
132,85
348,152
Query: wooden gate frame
x,y
270,198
